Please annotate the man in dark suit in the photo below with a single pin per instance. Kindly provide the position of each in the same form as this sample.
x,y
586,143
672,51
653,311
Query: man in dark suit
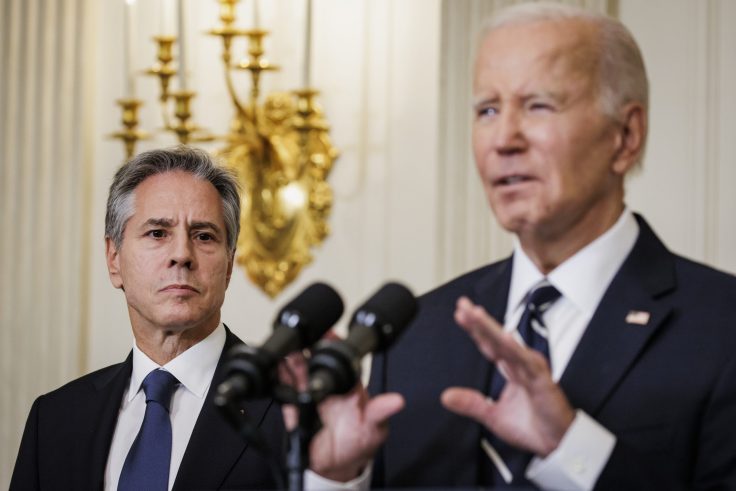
x,y
149,423
621,373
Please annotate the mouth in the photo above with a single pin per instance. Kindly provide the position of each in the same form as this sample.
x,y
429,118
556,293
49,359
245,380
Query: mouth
x,y
511,179
179,288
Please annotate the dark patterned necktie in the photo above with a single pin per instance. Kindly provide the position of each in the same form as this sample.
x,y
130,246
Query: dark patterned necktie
x,y
147,464
533,331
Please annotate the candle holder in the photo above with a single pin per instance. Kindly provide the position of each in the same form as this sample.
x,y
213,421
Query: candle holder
x,y
255,63
162,68
227,31
186,130
130,134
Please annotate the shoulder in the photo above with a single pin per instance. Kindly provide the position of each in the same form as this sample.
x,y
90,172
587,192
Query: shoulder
x,y
86,384
435,316
710,294
699,274
662,273
465,284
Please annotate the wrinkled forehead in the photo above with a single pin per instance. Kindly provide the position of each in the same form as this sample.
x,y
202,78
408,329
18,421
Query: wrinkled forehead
x,y
565,49
177,192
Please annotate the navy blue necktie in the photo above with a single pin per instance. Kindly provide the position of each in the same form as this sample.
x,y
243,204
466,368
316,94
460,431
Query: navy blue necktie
x,y
533,331
147,465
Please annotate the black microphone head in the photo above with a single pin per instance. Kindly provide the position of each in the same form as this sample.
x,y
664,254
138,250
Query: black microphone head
x,y
313,312
389,310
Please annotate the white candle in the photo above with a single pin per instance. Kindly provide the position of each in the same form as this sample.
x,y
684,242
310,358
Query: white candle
x,y
256,15
307,46
182,48
167,17
129,48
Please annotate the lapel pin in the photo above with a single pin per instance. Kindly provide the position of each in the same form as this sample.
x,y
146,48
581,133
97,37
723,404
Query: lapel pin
x,y
638,317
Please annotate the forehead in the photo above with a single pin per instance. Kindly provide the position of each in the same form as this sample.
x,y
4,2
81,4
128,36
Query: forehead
x,y
538,52
176,194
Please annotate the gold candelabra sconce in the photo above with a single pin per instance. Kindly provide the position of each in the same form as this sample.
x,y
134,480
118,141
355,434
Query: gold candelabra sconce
x,y
278,146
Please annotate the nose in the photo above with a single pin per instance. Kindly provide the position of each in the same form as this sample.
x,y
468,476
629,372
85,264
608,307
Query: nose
x,y
182,253
508,135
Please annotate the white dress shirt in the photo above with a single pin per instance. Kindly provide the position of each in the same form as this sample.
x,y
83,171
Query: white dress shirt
x,y
582,280
194,370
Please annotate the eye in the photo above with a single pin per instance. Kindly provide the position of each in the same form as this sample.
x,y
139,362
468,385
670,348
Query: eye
x,y
482,112
156,233
205,237
540,106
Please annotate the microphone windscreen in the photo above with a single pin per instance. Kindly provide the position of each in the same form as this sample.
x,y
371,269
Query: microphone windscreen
x,y
394,306
316,309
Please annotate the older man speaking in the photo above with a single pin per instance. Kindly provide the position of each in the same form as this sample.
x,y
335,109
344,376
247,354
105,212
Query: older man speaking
x,y
614,368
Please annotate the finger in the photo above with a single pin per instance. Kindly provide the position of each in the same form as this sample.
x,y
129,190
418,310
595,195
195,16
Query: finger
x,y
291,417
521,364
331,335
293,371
380,408
468,402
529,368
486,332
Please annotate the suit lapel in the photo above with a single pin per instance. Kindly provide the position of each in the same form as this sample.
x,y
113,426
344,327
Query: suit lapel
x,y
492,290
215,447
633,308
109,388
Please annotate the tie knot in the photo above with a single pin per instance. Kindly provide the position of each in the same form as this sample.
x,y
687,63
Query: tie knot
x,y
159,386
542,297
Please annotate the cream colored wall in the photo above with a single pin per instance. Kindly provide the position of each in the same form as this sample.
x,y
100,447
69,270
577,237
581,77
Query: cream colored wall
x,y
685,189
407,204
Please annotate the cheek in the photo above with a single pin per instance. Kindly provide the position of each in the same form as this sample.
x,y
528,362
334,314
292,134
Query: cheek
x,y
481,141
144,263
217,273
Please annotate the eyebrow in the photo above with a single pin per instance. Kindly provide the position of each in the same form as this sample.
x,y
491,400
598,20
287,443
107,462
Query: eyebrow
x,y
483,100
203,225
160,222
169,223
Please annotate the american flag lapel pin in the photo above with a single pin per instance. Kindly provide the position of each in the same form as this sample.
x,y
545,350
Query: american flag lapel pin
x,y
638,317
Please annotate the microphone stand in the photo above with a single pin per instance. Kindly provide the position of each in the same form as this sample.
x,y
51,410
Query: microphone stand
x,y
299,439
297,455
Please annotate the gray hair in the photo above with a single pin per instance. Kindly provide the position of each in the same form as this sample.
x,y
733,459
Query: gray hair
x,y
199,163
622,75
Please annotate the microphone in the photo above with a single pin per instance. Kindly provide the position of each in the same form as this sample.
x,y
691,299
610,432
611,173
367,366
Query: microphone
x,y
251,371
335,364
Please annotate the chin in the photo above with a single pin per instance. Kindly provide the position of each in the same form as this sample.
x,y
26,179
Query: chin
x,y
181,322
513,222
520,216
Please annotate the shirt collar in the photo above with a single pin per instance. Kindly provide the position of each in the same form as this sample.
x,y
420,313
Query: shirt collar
x,y
584,277
194,368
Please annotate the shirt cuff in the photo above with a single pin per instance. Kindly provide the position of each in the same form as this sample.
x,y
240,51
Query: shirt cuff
x,y
578,460
313,481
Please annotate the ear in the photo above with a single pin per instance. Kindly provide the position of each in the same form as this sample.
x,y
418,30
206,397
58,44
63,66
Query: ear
x,y
630,137
230,262
113,264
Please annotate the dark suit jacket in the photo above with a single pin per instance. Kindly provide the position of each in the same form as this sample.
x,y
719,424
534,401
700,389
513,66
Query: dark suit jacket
x,y
68,434
667,390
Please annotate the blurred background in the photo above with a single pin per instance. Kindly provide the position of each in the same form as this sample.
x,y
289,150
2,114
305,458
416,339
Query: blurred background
x,y
394,82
